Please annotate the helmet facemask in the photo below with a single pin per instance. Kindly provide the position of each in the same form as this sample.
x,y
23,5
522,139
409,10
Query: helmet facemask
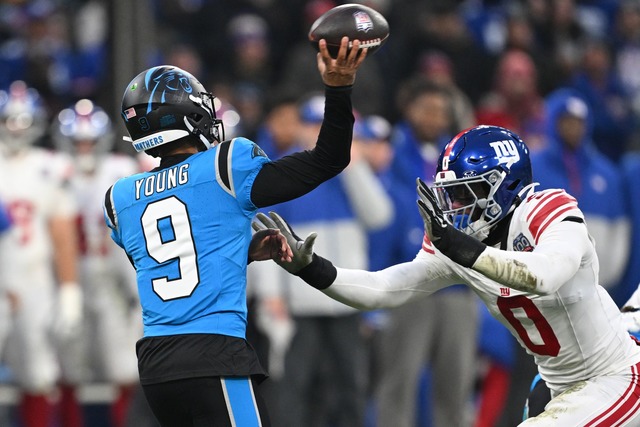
x,y
209,128
469,204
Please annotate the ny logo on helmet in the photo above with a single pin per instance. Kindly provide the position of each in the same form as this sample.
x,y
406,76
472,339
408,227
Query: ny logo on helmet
x,y
506,152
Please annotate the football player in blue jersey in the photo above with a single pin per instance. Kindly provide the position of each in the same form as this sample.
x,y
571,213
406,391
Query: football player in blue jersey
x,y
186,227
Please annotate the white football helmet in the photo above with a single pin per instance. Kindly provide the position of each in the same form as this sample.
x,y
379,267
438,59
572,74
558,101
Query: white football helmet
x,y
23,117
84,131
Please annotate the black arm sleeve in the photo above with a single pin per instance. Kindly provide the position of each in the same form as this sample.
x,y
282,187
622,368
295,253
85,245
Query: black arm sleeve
x,y
297,174
320,273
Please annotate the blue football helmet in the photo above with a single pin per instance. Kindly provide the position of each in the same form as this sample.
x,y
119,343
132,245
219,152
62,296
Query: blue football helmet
x,y
164,104
481,174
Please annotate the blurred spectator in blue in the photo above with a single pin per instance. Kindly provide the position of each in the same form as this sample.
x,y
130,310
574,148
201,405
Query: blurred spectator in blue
x,y
43,51
278,133
322,381
437,26
515,101
249,71
630,163
627,57
436,67
609,102
421,133
439,332
572,162
559,32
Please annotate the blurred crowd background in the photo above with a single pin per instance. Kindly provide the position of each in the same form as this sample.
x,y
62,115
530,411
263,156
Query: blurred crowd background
x,y
563,74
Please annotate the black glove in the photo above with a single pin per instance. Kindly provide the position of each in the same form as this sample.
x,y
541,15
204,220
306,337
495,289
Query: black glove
x,y
453,243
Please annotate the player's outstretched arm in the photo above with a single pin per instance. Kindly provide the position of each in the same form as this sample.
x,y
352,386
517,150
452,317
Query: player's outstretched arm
x,y
360,289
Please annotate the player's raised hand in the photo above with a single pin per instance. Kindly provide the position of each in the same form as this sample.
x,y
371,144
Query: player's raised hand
x,y
452,242
302,249
340,71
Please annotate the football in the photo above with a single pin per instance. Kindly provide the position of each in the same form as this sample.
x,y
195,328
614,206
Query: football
x,y
356,21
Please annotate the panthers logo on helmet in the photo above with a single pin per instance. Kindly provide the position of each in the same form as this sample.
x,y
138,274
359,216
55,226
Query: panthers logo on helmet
x,y
169,81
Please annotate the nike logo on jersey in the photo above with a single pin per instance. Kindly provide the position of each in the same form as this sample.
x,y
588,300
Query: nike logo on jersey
x,y
163,180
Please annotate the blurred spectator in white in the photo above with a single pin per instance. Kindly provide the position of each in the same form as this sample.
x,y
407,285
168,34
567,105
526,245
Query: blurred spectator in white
x,y
41,269
322,378
106,346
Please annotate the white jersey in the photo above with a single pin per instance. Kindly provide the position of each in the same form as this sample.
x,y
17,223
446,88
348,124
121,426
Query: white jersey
x,y
34,186
555,307
89,191
106,348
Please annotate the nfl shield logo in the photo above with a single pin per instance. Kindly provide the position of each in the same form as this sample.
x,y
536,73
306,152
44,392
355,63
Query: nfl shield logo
x,y
363,21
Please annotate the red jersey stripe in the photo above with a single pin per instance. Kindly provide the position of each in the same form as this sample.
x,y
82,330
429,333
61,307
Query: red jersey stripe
x,y
427,246
623,408
551,206
553,218
543,199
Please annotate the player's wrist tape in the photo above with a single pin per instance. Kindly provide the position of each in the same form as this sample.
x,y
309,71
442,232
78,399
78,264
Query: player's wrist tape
x,y
319,273
459,247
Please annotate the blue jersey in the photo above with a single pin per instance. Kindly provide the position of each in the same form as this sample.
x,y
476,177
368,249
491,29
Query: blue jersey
x,y
187,230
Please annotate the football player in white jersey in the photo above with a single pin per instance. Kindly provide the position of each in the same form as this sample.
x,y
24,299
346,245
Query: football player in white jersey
x,y
106,347
41,264
528,255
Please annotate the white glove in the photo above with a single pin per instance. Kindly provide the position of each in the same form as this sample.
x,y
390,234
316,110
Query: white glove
x,y
302,249
68,316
